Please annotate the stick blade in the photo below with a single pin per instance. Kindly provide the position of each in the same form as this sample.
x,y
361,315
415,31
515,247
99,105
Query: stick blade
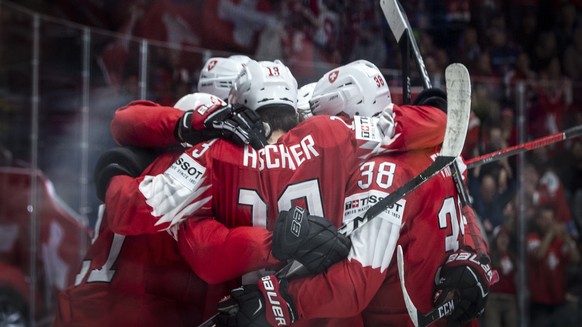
x,y
458,84
412,312
394,17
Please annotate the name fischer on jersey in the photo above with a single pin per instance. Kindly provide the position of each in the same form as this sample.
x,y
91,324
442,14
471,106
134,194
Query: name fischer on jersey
x,y
281,155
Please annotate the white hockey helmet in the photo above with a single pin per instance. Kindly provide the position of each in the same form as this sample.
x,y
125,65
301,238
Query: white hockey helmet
x,y
357,88
218,74
194,100
264,83
240,58
303,96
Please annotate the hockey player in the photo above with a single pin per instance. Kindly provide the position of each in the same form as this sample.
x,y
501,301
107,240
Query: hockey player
x,y
428,224
294,169
216,78
140,280
143,280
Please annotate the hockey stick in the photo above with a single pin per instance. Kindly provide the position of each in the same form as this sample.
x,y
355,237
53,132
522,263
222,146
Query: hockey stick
x,y
399,25
459,107
402,31
418,318
531,145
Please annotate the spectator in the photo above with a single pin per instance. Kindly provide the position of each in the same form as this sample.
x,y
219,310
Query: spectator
x,y
494,140
550,251
527,32
571,173
471,148
550,192
566,22
545,49
507,124
487,203
235,25
365,29
520,72
502,304
572,58
503,53
468,48
554,94
327,33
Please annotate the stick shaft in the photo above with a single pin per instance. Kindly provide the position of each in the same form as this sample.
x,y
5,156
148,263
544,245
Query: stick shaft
x,y
516,149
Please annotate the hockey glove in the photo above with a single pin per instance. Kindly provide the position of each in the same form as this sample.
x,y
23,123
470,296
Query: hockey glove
x,y
432,97
263,305
128,161
203,123
468,281
313,241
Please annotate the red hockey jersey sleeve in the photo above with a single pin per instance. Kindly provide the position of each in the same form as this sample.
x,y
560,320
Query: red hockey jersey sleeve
x,y
129,211
217,253
145,123
418,127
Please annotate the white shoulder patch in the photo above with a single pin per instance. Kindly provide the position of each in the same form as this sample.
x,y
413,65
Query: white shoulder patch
x,y
366,128
186,171
374,243
357,204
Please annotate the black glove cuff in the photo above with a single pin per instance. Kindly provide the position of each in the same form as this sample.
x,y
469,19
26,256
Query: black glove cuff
x,y
291,229
432,97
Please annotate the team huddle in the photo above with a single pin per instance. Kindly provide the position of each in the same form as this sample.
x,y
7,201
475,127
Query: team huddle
x,y
210,198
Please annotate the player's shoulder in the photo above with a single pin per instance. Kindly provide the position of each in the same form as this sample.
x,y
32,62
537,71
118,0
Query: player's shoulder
x,y
216,149
325,121
319,132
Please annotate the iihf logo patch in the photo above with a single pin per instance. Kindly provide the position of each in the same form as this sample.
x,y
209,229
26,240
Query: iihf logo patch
x,y
333,76
211,64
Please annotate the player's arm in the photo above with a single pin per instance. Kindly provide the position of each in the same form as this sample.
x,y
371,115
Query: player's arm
x,y
145,123
347,287
343,291
417,127
127,210
170,190
217,254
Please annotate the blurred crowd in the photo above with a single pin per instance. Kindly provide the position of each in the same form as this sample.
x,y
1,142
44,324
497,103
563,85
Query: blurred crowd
x,y
504,44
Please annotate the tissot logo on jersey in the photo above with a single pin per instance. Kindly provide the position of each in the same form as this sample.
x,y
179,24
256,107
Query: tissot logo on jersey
x,y
357,204
187,171
281,155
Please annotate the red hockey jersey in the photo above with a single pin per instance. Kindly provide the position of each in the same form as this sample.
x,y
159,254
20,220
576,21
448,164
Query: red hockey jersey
x,y
427,223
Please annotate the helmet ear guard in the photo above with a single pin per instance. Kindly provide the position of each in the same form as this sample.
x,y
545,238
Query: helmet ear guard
x,y
303,96
358,88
